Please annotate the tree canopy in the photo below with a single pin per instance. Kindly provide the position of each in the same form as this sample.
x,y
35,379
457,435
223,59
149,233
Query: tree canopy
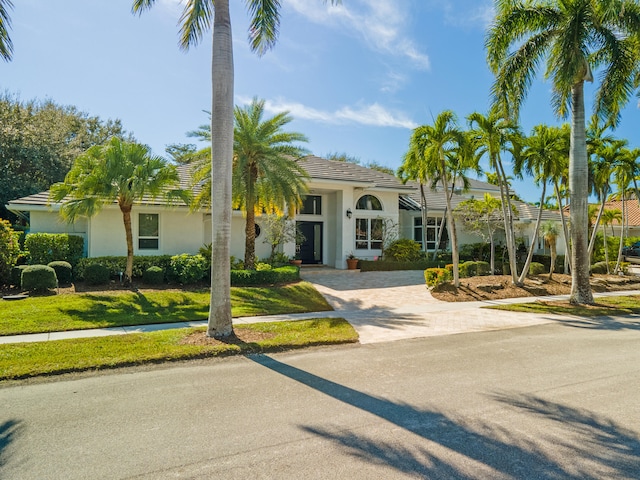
x,y
39,140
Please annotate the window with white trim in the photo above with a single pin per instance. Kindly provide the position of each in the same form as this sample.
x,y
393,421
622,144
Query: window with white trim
x,y
369,233
148,231
431,232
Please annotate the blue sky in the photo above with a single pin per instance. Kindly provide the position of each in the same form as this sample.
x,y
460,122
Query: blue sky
x,y
356,78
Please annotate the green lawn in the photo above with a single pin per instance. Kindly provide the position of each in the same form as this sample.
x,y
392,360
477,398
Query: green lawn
x,y
611,306
83,311
22,360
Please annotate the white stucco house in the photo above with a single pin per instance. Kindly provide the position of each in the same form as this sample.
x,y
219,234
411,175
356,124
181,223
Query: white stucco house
x,y
343,213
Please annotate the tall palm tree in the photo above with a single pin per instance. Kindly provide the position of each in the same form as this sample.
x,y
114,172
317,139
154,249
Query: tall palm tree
x,y
542,151
571,37
6,46
263,33
493,134
120,172
266,176
623,174
430,145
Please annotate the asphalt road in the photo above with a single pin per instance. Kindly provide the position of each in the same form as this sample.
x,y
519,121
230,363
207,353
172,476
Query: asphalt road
x,y
550,402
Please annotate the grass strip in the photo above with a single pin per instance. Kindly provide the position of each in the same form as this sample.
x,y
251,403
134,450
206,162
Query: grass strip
x,y
604,306
121,308
23,360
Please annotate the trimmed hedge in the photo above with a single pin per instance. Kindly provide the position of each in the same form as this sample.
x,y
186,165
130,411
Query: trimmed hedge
x,y
153,276
387,265
38,278
536,268
115,265
403,250
16,275
63,271
96,274
601,267
45,248
254,278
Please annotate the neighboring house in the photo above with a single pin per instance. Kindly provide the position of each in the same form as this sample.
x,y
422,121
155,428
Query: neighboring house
x,y
347,210
631,220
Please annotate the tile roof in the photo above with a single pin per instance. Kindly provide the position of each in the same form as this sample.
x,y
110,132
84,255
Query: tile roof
x,y
632,211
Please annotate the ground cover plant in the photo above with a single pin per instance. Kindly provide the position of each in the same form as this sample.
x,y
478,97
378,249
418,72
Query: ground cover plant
x,y
23,360
143,307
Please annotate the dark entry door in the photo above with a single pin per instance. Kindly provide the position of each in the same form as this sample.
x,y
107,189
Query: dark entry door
x,y
310,249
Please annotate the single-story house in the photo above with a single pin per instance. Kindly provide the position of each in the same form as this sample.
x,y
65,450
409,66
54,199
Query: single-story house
x,y
347,210
631,220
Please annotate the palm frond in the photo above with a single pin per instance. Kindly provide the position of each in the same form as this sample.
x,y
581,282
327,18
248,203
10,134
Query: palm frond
x,y
6,46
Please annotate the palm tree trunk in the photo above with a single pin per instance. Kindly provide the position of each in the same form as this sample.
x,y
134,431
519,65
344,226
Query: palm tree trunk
x,y
578,174
220,323
606,249
126,219
507,211
554,255
250,231
525,269
624,214
592,242
423,209
565,229
451,224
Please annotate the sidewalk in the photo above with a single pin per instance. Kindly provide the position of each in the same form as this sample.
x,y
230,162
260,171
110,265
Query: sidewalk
x,y
381,306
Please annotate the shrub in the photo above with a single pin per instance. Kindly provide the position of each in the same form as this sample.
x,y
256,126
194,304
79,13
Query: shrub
x,y
474,251
467,269
187,268
536,268
153,276
386,266
38,278
437,276
115,265
601,267
236,263
483,268
63,271
96,274
9,250
253,278
45,248
403,250
16,275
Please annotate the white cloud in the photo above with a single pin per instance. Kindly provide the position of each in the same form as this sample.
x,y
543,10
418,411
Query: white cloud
x,y
468,13
380,23
370,115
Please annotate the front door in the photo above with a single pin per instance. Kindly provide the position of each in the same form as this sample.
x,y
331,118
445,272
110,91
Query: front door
x,y
309,249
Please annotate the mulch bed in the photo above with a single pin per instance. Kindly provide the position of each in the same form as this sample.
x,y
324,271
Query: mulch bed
x,y
536,285
241,336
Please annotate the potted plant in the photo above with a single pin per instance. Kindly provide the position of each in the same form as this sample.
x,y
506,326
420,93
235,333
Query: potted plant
x,y
352,261
296,260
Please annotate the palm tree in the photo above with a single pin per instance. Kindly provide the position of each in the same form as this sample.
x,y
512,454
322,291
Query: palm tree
x,y
430,145
266,176
623,173
493,134
541,153
549,231
571,36
6,46
608,217
263,33
121,172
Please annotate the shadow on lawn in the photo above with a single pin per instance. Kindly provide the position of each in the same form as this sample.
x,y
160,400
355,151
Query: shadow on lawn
x,y
136,308
479,449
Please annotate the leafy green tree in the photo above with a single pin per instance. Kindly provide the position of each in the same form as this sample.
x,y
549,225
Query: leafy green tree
x,y
39,142
571,37
9,250
119,172
608,217
263,32
482,217
266,175
429,149
6,47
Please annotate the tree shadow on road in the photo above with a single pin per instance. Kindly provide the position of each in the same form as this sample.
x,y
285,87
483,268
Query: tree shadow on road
x,y
454,448
8,430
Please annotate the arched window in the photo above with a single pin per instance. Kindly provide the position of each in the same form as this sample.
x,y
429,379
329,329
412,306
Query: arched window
x,y
368,202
